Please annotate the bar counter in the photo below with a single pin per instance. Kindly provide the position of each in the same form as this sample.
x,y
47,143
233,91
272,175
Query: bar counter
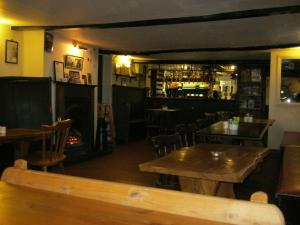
x,y
192,108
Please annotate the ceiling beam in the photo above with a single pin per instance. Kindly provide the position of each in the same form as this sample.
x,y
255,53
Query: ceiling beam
x,y
244,48
265,62
252,13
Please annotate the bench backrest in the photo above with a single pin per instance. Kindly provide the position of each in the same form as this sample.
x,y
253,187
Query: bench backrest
x,y
181,207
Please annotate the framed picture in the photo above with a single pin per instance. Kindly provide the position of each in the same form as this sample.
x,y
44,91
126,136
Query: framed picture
x,y
73,62
255,75
11,52
58,70
74,77
48,43
84,79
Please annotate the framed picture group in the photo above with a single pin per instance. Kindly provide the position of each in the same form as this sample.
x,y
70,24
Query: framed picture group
x,y
73,75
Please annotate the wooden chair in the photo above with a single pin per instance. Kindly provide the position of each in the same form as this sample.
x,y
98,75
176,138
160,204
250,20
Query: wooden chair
x,y
223,116
152,123
210,118
163,145
187,133
54,141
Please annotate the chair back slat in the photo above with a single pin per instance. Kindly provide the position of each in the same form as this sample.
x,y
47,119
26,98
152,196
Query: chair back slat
x,y
164,144
187,132
57,135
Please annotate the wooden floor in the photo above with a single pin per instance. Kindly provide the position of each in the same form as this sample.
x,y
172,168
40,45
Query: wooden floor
x,y
122,166
119,166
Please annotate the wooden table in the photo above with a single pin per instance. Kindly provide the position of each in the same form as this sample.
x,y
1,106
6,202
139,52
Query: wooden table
x,y
199,172
35,198
22,137
164,118
20,133
247,131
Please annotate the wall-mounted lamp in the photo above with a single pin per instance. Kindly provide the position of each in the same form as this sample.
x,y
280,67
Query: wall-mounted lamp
x,y
123,64
77,45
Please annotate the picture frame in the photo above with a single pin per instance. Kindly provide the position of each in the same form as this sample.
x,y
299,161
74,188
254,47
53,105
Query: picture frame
x,y
84,79
74,77
11,51
73,62
58,70
256,75
48,42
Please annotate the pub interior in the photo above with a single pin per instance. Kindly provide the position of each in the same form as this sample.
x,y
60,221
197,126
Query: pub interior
x,y
150,112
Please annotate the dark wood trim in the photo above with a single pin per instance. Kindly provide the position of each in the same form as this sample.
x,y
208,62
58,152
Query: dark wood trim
x,y
74,84
242,48
180,20
100,78
238,62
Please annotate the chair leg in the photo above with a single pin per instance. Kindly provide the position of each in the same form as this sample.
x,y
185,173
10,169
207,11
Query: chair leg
x,y
61,165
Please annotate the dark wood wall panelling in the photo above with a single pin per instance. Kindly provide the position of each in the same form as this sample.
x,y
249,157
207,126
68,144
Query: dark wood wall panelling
x,y
24,102
128,105
192,109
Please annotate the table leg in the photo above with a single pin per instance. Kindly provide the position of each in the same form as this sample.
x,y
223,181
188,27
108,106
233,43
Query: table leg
x,y
207,187
21,149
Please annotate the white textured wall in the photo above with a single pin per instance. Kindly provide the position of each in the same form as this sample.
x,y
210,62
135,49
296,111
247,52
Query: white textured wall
x,y
287,116
8,69
62,46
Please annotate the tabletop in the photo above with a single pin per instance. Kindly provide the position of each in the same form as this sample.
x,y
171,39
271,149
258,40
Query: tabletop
x,y
163,110
20,133
246,130
233,165
270,122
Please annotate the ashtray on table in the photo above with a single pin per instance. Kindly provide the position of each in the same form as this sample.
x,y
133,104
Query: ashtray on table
x,y
216,154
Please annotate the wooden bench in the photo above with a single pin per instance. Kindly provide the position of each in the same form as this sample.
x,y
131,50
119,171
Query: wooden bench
x,y
290,138
289,182
288,191
32,197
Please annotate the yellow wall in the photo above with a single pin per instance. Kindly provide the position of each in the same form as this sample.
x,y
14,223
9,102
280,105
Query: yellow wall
x,y
7,69
30,54
33,53
287,116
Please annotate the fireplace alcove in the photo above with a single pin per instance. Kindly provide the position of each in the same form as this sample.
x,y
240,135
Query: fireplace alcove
x,y
76,102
